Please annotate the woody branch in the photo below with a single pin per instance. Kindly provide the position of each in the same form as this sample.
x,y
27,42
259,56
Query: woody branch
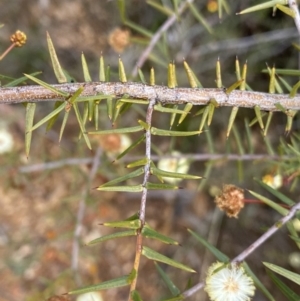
x,y
163,94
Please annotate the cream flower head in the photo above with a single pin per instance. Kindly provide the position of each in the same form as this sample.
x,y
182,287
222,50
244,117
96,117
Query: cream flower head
x,y
180,165
114,144
6,140
229,283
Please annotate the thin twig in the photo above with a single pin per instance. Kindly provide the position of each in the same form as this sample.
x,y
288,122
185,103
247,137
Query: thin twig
x,y
7,51
294,6
54,164
163,94
80,215
242,256
155,38
194,157
245,43
267,234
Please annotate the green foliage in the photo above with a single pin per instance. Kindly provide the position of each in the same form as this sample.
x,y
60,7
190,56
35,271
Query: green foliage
x,y
283,287
30,110
284,272
171,286
114,283
151,254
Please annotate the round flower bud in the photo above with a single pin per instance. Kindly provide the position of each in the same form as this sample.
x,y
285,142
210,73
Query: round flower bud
x,y
18,38
231,200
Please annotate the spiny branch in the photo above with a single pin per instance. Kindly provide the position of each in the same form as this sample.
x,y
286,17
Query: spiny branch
x,y
163,94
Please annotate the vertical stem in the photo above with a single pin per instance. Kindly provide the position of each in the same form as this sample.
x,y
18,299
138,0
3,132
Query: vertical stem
x,y
142,214
148,156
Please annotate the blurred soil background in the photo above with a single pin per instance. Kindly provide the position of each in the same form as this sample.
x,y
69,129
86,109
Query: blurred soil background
x,y
40,204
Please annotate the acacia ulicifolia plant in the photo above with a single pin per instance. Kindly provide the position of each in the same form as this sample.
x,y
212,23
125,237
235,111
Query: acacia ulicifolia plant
x,y
239,281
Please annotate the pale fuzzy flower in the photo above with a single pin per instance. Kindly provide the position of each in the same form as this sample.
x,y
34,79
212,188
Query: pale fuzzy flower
x,y
229,283
294,260
119,39
114,144
174,165
6,141
274,181
296,224
125,143
93,296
